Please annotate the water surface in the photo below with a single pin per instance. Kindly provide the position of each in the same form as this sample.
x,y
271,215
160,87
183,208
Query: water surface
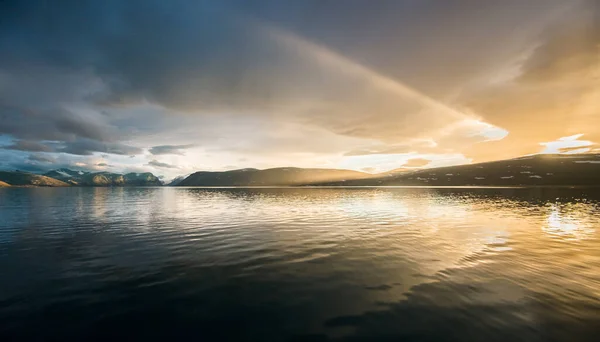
x,y
298,264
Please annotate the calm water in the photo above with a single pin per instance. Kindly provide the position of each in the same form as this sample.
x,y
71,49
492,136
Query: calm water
x,y
300,264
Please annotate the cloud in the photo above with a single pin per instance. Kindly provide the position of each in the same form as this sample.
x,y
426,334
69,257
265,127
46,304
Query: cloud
x,y
569,52
86,147
30,146
25,121
556,91
568,144
43,162
576,149
369,169
416,162
156,163
412,146
169,149
41,158
192,65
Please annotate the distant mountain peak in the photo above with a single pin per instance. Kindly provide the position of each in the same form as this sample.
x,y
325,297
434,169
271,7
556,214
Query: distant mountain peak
x,y
22,178
103,178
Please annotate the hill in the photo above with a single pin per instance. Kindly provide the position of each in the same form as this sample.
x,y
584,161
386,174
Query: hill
x,y
141,179
560,169
3,184
285,176
67,175
20,178
84,178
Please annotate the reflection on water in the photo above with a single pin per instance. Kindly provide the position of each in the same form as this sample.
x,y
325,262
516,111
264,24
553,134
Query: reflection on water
x,y
300,264
570,222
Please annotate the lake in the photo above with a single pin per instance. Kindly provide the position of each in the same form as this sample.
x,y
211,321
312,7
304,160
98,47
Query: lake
x,y
300,264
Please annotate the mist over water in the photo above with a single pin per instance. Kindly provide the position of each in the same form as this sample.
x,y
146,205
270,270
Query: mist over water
x,y
360,264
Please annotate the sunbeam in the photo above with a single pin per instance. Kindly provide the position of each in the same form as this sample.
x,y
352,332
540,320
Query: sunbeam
x,y
328,57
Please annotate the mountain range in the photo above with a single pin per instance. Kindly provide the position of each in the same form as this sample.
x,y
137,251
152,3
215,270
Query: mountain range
x,y
283,176
20,178
84,178
67,177
535,170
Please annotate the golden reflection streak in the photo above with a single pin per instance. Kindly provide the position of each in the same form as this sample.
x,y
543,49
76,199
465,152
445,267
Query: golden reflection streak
x,y
566,225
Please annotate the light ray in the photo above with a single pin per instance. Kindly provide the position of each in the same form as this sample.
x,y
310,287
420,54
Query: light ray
x,y
328,57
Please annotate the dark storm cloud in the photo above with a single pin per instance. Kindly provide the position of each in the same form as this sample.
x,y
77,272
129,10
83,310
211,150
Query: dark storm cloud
x,y
31,146
179,53
79,146
158,164
169,149
50,124
81,128
88,147
41,158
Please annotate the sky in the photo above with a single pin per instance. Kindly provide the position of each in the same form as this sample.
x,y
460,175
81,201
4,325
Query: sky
x,y
173,87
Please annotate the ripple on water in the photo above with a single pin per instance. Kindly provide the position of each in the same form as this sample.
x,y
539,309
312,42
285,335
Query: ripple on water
x,y
274,264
